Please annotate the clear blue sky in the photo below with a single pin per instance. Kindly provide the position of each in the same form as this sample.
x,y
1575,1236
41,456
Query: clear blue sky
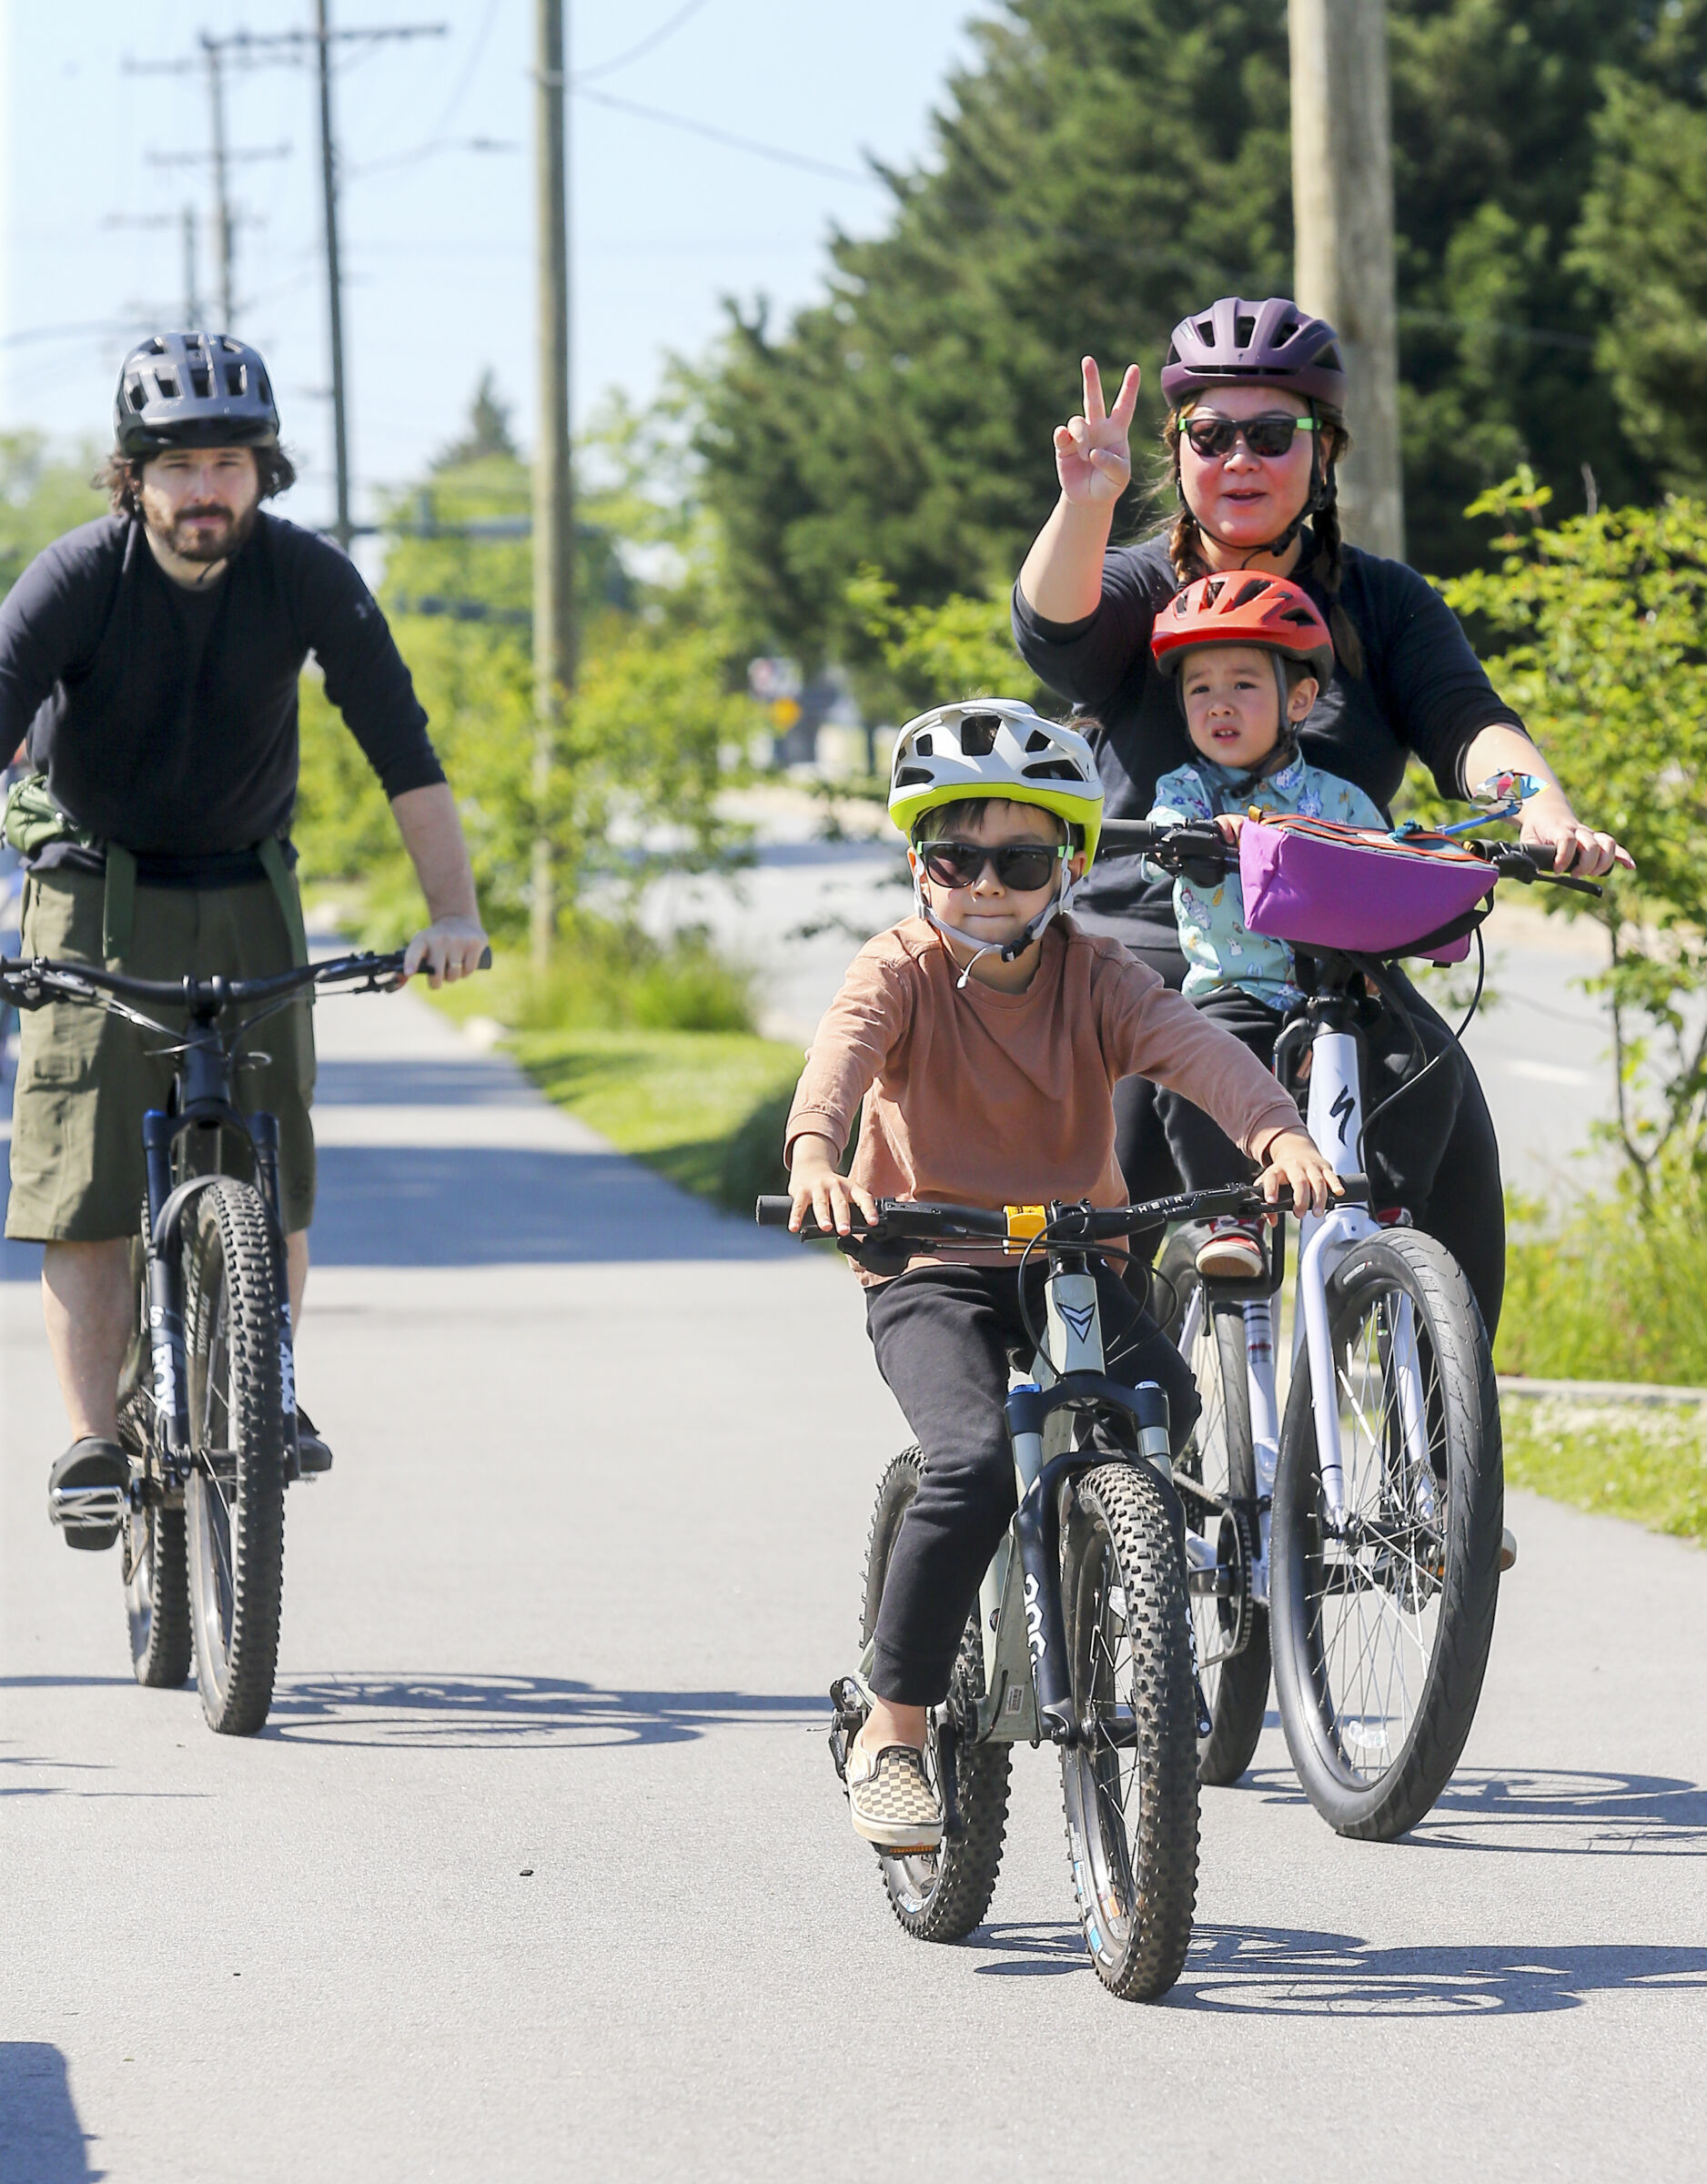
x,y
438,246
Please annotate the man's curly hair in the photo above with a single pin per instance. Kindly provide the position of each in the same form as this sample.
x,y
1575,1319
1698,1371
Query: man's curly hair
x,y
119,478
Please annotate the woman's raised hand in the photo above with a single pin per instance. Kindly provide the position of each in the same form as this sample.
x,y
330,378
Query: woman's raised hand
x,y
1092,457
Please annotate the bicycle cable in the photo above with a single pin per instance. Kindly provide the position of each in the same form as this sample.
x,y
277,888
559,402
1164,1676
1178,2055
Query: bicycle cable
x,y
1456,1036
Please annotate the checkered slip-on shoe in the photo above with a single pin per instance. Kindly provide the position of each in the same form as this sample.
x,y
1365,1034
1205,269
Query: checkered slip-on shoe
x,y
890,1800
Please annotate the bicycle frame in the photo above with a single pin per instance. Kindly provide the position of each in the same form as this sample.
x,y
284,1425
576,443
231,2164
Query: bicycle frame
x,y
1335,1120
1028,1695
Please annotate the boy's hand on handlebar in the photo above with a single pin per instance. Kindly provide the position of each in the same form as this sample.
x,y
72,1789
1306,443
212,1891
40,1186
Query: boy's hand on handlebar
x,y
1584,852
1295,1161
815,1186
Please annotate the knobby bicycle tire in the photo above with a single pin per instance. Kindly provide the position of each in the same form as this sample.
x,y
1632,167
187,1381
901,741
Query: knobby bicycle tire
x,y
942,1894
1382,1632
1131,1785
1221,1458
235,1502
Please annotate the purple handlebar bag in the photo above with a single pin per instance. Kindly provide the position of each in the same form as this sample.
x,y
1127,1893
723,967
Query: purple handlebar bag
x,y
1324,886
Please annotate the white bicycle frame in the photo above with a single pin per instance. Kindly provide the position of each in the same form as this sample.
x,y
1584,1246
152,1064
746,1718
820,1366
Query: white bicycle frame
x,y
1335,1121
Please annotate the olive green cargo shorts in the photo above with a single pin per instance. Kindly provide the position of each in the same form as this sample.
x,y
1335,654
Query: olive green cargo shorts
x,y
86,1079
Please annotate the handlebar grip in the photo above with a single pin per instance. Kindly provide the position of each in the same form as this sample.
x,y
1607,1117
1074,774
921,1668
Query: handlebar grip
x,y
1540,854
485,963
1129,837
772,1213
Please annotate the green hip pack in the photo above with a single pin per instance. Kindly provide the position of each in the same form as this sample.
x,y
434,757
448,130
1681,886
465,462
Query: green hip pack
x,y
34,821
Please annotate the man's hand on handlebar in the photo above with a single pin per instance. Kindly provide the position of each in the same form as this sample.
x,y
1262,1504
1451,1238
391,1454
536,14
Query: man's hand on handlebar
x,y
815,1186
447,949
1294,1159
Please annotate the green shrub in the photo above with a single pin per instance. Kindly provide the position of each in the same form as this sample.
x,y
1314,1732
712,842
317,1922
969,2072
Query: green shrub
x,y
1619,1292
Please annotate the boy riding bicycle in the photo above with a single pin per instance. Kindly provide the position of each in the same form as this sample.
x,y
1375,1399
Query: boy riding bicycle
x,y
1248,654
984,1036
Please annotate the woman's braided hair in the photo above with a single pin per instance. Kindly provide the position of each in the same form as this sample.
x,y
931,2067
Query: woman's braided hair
x,y
1184,541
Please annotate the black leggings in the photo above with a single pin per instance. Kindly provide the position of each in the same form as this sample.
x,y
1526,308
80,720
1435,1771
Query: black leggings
x,y
942,1335
1464,1206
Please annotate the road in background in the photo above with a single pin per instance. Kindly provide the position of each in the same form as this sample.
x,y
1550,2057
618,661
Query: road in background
x,y
539,1869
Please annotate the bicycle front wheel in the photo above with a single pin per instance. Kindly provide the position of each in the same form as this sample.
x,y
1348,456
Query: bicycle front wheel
x,y
235,1500
1383,1618
1130,1784
1229,1628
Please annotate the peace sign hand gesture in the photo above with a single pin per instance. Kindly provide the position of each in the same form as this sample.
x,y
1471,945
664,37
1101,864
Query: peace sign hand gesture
x,y
1093,459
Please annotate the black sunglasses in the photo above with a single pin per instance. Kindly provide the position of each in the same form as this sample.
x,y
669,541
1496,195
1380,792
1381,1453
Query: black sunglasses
x,y
1025,866
1268,435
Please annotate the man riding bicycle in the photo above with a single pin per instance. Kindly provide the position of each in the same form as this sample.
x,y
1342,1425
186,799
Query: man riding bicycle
x,y
152,659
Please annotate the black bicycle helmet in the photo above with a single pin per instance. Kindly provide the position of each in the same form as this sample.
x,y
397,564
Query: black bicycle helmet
x,y
193,390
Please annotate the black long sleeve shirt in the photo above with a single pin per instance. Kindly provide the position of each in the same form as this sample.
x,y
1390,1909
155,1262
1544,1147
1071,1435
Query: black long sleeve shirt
x,y
1422,691
165,719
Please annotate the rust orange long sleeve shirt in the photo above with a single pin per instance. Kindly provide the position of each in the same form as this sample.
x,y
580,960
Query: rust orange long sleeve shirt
x,y
989,1098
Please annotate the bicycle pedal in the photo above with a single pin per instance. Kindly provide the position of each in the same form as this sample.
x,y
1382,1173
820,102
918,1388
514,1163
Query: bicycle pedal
x,y
89,1516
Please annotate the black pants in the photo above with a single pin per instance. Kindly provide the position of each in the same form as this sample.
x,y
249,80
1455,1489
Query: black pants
x,y
942,1335
1464,1206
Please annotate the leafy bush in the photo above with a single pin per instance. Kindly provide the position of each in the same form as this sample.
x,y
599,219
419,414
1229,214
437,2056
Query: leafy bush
x,y
610,975
1618,1293
1605,623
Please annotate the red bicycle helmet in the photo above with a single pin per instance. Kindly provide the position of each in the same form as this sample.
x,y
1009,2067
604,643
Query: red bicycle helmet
x,y
1273,343
1242,608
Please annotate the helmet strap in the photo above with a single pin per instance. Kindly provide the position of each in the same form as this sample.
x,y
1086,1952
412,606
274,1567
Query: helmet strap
x,y
1004,952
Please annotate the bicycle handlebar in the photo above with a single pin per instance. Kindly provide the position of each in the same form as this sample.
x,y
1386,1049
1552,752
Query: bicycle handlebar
x,y
1201,843
30,981
909,1220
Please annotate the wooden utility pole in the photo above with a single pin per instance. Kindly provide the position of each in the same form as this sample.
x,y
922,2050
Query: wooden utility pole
x,y
1342,210
334,278
222,187
553,488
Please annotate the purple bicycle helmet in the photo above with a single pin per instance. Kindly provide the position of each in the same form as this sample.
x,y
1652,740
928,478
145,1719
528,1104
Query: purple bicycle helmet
x,y
1274,342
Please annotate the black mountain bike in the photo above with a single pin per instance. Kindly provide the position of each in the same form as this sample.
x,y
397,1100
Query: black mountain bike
x,y
207,1405
1083,1630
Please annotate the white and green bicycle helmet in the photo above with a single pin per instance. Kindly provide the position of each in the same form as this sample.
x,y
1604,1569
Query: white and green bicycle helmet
x,y
995,747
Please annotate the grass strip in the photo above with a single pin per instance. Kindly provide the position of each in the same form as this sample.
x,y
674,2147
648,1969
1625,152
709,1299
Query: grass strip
x,y
1648,1466
706,1108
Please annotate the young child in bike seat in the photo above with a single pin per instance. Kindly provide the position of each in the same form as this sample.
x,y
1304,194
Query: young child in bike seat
x,y
1248,654
984,1036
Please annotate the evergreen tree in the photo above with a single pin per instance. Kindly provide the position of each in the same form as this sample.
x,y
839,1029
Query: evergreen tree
x,y
1103,167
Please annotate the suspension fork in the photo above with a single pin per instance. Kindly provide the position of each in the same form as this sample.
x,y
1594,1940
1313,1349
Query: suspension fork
x,y
167,1347
264,1132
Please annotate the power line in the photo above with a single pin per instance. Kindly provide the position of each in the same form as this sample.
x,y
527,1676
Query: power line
x,y
647,45
739,144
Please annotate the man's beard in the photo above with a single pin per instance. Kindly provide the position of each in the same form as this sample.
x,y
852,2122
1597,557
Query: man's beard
x,y
190,545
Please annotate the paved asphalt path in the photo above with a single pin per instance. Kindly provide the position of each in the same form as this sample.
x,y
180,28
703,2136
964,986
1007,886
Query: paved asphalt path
x,y
539,1870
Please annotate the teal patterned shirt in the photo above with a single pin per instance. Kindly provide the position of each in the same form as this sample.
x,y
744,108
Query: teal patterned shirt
x,y
1217,946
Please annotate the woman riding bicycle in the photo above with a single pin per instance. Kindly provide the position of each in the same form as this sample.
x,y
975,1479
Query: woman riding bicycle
x,y
1256,425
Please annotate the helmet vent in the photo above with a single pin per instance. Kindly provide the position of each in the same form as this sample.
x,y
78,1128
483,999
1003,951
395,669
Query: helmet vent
x,y
977,733
1053,769
1253,589
1037,741
201,381
1213,590
234,376
914,777
1244,330
923,746
1206,331
167,381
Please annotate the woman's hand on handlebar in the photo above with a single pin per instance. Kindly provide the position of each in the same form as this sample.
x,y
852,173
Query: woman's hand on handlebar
x,y
1293,1158
815,1186
1584,852
449,948
1092,456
